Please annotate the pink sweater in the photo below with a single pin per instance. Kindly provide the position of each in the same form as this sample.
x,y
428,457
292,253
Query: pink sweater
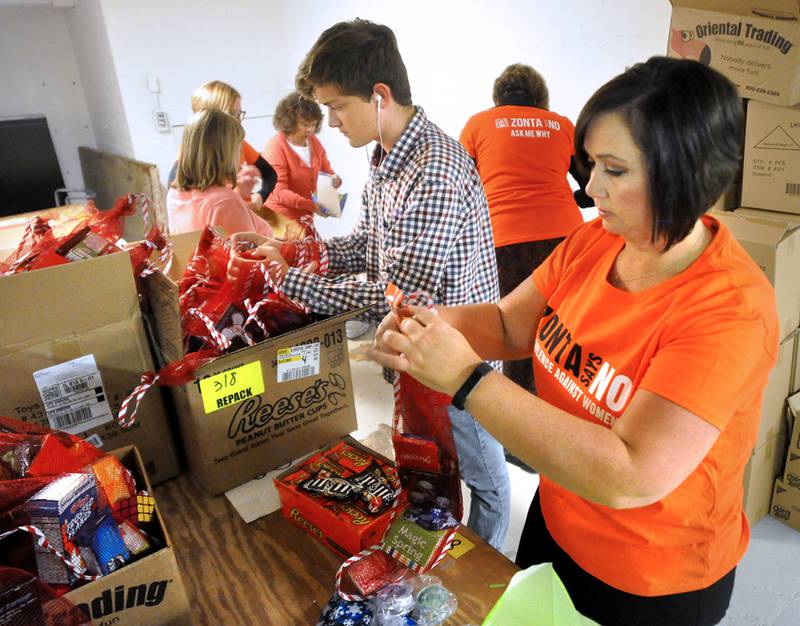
x,y
193,210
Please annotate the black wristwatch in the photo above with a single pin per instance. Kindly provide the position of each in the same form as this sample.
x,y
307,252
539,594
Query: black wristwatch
x,y
460,396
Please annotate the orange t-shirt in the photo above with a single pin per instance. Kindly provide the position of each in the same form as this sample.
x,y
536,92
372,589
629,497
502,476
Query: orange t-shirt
x,y
248,154
706,340
523,155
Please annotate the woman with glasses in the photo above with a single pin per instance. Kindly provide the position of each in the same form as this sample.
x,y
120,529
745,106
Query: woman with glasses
x,y
298,157
215,94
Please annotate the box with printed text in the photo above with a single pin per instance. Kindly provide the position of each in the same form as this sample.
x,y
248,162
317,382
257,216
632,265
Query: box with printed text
x,y
147,591
254,409
73,345
755,44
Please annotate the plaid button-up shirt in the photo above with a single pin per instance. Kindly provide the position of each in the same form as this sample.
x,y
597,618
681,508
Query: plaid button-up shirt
x,y
424,225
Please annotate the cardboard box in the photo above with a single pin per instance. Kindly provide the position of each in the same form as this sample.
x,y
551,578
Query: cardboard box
x,y
344,527
270,417
765,465
755,44
793,454
786,504
74,333
773,405
775,246
796,363
771,168
147,591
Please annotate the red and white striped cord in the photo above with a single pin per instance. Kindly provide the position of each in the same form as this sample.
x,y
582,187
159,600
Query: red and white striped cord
x,y
148,380
74,563
220,340
252,316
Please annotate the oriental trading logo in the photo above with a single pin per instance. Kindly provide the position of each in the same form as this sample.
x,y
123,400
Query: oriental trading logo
x,y
255,413
119,599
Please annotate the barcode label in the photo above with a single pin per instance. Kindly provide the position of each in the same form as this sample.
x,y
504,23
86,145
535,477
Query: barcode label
x,y
73,395
65,420
300,372
793,189
298,362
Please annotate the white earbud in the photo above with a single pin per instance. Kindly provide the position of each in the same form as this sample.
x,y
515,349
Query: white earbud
x,y
378,98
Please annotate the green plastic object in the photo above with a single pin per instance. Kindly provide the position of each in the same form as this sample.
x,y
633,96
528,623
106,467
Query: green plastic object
x,y
535,596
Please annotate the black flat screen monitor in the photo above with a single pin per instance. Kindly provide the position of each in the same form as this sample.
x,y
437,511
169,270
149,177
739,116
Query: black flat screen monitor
x,y
29,170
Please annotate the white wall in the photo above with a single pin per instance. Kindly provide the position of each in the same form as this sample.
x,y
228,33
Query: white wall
x,y
454,50
39,75
185,43
99,77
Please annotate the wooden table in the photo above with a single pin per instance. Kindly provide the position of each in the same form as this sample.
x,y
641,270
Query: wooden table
x,y
271,572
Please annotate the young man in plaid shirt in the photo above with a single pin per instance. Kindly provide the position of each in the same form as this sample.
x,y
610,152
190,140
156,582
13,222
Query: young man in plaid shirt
x,y
424,223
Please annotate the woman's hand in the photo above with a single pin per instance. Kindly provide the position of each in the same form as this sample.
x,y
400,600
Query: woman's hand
x,y
337,181
426,347
246,180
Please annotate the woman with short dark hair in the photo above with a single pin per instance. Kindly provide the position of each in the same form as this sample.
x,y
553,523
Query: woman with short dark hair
x,y
298,157
652,333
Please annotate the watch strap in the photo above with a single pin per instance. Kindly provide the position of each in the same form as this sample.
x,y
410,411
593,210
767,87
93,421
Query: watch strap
x,y
460,396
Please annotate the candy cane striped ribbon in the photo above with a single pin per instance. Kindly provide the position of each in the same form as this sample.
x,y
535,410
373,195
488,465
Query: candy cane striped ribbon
x,y
149,220
221,341
74,563
252,311
148,380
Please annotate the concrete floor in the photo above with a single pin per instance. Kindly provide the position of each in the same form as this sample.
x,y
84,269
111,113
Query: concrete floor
x,y
767,588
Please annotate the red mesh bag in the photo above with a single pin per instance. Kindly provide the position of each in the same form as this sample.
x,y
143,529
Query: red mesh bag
x,y
96,235
26,601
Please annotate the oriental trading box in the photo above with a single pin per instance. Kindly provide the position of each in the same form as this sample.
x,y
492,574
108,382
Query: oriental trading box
x,y
72,347
756,44
248,412
345,526
771,168
786,504
147,591
775,247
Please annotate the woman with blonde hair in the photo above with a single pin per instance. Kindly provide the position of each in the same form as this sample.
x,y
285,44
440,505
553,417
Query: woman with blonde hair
x,y
204,190
216,94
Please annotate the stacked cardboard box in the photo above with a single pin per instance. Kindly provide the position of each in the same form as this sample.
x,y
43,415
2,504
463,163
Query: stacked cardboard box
x,y
786,494
757,46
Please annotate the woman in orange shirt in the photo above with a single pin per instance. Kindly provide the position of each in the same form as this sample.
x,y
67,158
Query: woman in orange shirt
x,y
298,157
652,333
203,193
215,94
523,152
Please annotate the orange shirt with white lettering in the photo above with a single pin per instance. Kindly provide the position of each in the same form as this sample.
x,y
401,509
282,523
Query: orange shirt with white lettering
x,y
706,340
523,154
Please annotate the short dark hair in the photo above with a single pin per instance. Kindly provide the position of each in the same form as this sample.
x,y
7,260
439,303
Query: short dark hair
x,y
295,107
521,84
354,56
687,120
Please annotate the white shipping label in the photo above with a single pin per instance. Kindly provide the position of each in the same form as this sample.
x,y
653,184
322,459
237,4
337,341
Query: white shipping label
x,y
73,395
298,362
